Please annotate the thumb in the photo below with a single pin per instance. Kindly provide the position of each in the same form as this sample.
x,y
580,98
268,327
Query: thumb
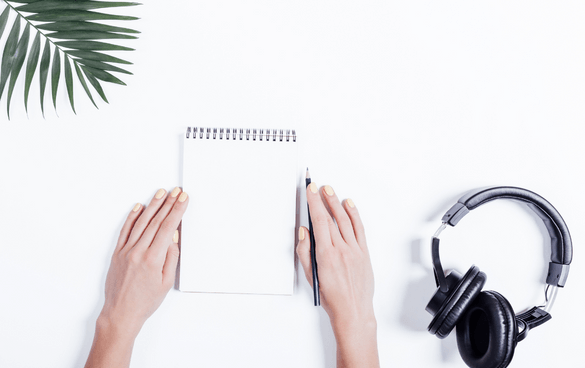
x,y
304,253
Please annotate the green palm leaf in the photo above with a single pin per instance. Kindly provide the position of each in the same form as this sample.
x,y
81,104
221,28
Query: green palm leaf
x,y
44,72
73,29
31,67
18,61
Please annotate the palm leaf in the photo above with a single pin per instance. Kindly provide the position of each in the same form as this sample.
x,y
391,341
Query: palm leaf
x,y
92,45
44,72
73,28
55,74
18,61
95,83
83,84
4,19
103,66
8,54
69,83
83,26
31,67
75,16
49,5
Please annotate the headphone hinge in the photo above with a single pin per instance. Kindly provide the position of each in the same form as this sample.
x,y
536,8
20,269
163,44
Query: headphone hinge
x,y
532,318
557,274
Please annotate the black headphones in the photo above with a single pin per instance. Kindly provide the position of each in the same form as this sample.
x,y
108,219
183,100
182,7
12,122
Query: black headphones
x,y
487,328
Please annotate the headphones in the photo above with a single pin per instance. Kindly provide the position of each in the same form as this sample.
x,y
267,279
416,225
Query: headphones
x,y
487,328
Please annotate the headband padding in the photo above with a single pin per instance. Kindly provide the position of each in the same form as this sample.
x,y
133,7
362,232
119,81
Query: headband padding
x,y
561,245
486,333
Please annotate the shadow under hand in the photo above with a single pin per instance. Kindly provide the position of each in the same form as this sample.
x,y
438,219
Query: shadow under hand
x,y
328,337
92,318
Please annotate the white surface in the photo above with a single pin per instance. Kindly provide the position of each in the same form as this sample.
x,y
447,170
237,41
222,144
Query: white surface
x,y
404,105
239,237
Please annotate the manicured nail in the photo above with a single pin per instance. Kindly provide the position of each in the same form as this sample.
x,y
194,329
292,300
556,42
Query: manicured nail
x,y
137,207
176,237
301,233
329,190
175,192
313,187
183,197
350,203
160,193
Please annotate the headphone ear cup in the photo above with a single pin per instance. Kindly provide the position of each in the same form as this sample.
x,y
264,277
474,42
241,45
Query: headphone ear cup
x,y
486,333
457,302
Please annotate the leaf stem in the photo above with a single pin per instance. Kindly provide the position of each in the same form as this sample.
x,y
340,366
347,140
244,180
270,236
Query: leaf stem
x,y
32,25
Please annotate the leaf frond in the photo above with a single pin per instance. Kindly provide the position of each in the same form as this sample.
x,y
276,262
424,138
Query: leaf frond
x,y
18,61
92,45
88,35
95,83
83,26
75,15
52,5
74,29
31,67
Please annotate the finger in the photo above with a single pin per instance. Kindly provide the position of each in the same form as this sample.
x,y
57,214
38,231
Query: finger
x,y
127,227
322,222
170,265
356,222
152,228
304,253
168,227
344,225
146,217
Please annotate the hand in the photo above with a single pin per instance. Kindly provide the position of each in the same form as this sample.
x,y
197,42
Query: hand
x,y
145,261
141,274
346,279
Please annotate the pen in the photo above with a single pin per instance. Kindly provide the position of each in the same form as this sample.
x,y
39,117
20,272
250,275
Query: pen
x,y
316,296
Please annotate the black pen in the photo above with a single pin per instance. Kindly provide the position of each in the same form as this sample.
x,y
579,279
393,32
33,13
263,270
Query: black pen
x,y
316,296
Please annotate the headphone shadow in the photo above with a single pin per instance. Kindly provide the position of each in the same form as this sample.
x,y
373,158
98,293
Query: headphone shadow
x,y
420,289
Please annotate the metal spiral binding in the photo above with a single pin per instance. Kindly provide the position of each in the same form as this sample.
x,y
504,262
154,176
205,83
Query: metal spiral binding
x,y
234,134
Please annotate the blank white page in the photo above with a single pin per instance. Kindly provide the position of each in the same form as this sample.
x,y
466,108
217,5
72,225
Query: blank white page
x,y
239,229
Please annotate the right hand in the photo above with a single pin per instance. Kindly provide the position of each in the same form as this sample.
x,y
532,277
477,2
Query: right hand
x,y
346,279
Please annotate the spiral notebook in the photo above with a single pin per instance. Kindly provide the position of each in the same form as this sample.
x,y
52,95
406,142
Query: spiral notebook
x,y
239,230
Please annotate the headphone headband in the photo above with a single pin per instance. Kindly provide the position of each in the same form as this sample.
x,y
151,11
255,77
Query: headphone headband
x,y
561,245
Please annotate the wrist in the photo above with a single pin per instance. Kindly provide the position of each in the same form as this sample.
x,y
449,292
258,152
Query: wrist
x,y
114,330
112,345
362,319
357,342
350,328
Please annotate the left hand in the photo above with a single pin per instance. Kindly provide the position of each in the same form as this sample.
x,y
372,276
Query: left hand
x,y
144,262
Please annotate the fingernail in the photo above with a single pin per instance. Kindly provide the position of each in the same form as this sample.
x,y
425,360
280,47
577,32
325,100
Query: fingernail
x,y
301,233
183,197
313,187
137,207
160,193
175,192
176,237
329,190
350,203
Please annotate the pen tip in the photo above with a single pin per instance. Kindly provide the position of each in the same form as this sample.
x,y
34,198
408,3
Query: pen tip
x,y
308,176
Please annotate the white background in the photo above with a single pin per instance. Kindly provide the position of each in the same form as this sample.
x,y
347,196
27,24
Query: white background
x,y
402,106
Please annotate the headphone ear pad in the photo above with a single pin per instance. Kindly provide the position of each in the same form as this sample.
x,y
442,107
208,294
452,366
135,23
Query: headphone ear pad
x,y
467,290
486,333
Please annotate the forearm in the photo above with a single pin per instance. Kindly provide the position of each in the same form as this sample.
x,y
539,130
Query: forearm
x,y
112,346
357,345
